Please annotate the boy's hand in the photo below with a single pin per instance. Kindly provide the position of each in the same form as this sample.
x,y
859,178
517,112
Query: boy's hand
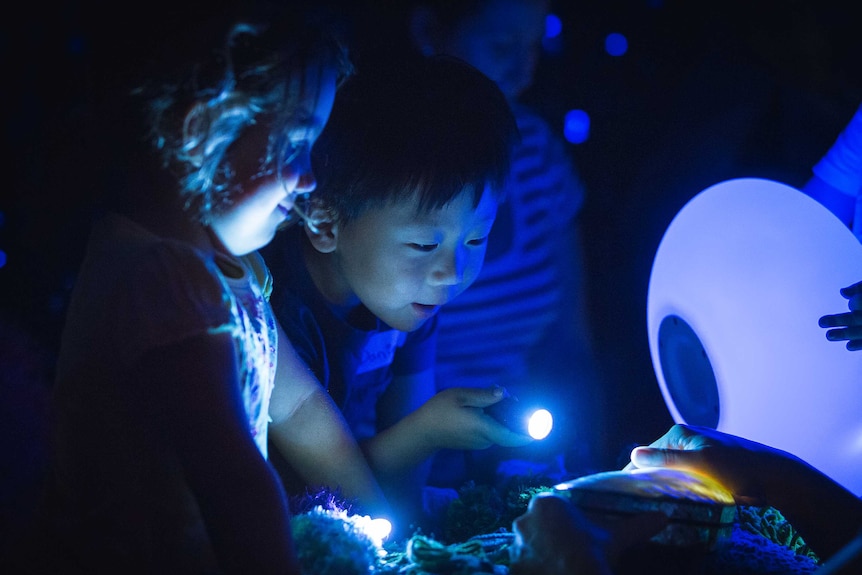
x,y
849,324
454,419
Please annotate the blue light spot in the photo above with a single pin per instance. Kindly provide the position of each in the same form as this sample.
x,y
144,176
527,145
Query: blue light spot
x,y
576,127
553,26
616,44
3,259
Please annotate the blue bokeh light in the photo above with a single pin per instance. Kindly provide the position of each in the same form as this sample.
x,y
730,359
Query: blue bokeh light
x,y
576,126
3,259
616,44
553,26
552,41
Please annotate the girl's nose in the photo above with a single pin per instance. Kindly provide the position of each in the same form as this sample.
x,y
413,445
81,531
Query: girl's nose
x,y
306,183
299,167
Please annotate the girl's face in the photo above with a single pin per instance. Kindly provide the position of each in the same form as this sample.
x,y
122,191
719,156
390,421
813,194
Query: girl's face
x,y
403,264
502,40
262,203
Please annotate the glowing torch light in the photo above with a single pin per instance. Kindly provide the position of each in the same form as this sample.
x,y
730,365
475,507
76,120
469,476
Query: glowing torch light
x,y
520,418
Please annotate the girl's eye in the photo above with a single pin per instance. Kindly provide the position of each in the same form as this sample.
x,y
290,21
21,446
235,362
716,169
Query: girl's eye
x,y
478,241
423,247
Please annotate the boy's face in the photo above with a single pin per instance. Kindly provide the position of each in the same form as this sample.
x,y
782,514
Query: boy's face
x,y
503,40
403,265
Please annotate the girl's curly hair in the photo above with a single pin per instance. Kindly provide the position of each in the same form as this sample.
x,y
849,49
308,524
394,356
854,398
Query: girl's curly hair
x,y
194,117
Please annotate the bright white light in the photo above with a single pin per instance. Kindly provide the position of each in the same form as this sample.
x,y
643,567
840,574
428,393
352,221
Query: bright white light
x,y
376,529
540,424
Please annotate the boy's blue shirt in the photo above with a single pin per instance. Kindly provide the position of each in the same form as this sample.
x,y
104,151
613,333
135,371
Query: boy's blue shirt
x,y
354,357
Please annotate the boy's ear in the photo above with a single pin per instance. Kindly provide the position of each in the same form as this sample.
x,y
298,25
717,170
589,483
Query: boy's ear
x,y
195,129
323,235
423,27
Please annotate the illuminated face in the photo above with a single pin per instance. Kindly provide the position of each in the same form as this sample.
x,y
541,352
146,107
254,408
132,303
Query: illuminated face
x,y
502,40
402,264
262,203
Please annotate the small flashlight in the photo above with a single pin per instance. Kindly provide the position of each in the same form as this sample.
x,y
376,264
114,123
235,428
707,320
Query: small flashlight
x,y
537,423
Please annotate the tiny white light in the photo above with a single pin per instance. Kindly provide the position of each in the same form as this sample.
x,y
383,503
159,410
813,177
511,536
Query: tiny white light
x,y
376,529
379,529
540,424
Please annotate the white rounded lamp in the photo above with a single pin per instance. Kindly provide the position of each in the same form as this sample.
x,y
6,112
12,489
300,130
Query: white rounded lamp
x,y
739,280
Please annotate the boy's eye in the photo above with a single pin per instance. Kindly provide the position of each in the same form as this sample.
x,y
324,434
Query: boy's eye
x,y
423,247
478,241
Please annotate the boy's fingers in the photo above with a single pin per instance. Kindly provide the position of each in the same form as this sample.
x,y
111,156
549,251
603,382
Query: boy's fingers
x,y
480,396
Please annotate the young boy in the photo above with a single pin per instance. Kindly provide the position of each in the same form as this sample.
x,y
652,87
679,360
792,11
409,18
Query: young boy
x,y
410,166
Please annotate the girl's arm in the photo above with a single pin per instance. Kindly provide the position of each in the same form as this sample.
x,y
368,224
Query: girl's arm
x,y
309,431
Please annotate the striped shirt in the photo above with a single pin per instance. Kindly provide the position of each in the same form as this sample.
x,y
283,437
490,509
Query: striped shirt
x,y
841,167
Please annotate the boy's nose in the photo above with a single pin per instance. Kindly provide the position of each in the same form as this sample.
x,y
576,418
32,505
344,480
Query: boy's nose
x,y
449,269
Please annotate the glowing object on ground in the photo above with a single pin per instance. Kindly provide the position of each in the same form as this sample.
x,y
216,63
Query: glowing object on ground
x,y
537,423
741,276
376,529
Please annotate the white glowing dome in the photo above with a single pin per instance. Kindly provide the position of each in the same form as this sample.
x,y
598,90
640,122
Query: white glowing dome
x,y
741,276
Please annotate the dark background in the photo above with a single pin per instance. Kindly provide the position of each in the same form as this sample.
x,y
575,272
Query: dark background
x,y
707,91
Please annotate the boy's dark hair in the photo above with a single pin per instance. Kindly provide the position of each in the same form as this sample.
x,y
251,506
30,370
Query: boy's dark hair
x,y
431,125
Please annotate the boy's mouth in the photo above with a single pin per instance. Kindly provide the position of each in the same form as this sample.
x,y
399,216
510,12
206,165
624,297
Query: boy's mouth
x,y
425,310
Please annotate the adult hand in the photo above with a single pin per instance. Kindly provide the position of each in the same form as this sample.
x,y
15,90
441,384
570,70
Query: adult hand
x,y
553,537
849,324
744,467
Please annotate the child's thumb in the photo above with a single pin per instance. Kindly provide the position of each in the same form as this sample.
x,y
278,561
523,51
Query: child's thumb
x,y
483,396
